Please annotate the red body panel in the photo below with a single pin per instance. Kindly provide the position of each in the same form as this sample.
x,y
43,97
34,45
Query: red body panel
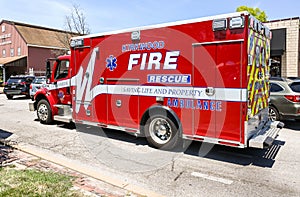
x,y
198,74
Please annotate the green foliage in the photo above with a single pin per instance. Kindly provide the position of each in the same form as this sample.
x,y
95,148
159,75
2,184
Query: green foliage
x,y
256,12
34,183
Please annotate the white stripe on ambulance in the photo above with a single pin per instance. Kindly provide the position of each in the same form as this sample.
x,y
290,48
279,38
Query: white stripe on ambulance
x,y
221,94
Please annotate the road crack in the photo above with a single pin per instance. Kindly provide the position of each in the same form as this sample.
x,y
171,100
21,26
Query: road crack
x,y
177,177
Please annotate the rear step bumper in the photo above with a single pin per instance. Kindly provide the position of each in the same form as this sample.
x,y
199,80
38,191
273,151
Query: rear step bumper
x,y
265,137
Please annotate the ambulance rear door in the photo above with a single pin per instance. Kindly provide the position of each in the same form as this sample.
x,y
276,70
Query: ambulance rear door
x,y
218,74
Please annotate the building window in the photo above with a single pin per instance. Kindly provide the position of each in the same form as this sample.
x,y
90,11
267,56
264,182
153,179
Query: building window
x,y
3,28
3,53
19,51
12,52
276,65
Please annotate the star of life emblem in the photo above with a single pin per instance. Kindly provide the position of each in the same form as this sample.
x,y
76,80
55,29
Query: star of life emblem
x,y
111,63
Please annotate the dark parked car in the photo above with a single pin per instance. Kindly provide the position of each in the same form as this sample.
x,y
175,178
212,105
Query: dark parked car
x,y
18,85
284,99
37,83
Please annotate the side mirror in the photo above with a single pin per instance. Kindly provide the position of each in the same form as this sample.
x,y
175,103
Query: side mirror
x,y
48,70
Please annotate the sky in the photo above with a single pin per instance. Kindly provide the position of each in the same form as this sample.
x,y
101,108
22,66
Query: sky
x,y
110,15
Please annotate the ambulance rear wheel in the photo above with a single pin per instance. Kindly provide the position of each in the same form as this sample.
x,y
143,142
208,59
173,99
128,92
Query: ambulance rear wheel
x,y
44,112
161,132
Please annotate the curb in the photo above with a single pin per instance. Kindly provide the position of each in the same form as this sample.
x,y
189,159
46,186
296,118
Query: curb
x,y
80,167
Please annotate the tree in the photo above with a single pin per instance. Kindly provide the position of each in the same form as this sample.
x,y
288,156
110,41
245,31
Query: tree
x,y
75,25
256,12
76,21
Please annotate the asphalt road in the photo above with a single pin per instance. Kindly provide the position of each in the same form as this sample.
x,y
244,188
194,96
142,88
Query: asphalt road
x,y
202,170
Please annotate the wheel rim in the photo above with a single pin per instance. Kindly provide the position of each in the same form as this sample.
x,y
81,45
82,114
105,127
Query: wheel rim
x,y
272,114
160,130
43,112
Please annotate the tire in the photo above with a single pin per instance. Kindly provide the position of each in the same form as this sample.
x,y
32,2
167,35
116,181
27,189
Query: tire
x,y
273,114
44,112
9,97
161,132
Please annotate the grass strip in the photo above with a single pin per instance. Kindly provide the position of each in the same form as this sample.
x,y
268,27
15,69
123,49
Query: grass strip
x,y
32,182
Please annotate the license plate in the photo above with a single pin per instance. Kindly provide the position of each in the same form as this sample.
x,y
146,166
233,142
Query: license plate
x,y
13,86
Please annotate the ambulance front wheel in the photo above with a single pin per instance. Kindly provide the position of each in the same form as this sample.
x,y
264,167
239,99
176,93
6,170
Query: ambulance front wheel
x,y
161,132
44,112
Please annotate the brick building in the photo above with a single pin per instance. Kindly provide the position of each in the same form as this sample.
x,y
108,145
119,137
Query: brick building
x,y
285,47
24,48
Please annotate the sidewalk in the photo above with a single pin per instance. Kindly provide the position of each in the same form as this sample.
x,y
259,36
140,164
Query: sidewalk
x,y
83,183
88,178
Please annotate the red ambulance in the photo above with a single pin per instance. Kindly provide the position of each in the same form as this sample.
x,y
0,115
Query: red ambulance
x,y
203,79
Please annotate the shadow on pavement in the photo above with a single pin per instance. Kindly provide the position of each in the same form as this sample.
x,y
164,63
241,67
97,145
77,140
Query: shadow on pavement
x,y
244,157
70,126
248,156
4,134
110,133
4,149
292,124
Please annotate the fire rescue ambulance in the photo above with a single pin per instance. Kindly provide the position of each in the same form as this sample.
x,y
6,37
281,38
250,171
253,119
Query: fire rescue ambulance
x,y
204,79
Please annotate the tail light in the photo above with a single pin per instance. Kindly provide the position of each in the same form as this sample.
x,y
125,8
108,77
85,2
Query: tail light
x,y
293,98
23,83
30,86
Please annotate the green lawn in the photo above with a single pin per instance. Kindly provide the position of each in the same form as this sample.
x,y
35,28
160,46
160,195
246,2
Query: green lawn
x,y
35,183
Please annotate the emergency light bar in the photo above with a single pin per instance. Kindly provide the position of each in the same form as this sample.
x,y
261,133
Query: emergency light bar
x,y
236,22
77,43
219,24
136,36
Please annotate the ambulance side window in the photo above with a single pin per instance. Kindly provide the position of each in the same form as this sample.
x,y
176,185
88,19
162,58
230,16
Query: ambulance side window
x,y
62,69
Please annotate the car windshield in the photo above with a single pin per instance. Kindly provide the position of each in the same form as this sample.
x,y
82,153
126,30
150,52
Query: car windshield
x,y
295,86
39,80
15,80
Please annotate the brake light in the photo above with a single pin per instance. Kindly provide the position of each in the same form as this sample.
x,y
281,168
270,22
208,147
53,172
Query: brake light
x,y
30,87
293,98
23,83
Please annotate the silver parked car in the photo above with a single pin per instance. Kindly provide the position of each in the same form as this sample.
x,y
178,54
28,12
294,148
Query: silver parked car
x,y
284,99
37,83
